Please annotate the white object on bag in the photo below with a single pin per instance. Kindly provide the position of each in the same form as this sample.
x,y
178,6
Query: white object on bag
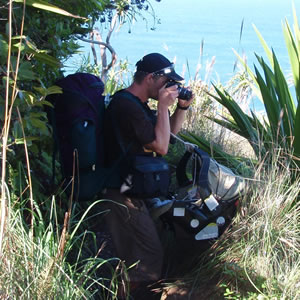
x,y
126,185
211,231
211,203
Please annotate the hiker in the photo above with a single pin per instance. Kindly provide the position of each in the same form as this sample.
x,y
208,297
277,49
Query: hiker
x,y
131,128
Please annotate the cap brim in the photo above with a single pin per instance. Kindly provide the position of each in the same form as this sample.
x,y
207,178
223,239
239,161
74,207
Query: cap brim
x,y
174,76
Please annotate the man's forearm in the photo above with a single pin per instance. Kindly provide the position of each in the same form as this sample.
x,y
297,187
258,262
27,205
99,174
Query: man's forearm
x,y
162,132
177,120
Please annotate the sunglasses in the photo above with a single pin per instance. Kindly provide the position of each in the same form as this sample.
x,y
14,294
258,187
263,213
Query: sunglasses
x,y
165,71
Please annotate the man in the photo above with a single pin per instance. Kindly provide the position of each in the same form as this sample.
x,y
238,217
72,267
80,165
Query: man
x,y
131,125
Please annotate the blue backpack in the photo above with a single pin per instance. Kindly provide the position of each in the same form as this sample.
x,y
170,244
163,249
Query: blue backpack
x,y
77,122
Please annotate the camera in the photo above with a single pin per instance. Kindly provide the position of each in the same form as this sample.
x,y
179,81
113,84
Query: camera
x,y
184,93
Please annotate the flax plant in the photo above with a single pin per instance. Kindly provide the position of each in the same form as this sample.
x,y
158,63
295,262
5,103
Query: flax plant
x,y
280,124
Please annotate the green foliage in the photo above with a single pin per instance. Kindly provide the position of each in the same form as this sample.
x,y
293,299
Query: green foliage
x,y
202,105
117,76
278,128
35,41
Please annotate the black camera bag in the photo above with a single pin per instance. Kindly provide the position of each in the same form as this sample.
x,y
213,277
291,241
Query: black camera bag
x,y
147,177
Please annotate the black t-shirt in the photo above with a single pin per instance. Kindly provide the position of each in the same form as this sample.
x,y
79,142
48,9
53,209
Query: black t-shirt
x,y
132,120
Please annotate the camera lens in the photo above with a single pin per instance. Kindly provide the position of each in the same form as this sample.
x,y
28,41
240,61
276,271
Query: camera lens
x,y
184,93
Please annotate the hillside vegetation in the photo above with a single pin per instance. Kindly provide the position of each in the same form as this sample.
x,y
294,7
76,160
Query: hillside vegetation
x,y
51,248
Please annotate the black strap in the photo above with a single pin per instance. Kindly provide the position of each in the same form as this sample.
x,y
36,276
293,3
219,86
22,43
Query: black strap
x,y
202,167
120,139
203,182
181,175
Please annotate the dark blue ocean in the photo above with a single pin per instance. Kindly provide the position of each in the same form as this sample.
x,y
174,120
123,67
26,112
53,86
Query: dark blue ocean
x,y
185,25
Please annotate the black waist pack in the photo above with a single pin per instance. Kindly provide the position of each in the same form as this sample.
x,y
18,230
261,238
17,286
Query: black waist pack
x,y
148,177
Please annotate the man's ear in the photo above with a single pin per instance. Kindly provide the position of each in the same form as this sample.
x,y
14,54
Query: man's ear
x,y
149,78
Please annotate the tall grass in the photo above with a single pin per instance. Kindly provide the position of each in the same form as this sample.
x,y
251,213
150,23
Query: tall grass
x,y
270,233
259,258
31,267
54,263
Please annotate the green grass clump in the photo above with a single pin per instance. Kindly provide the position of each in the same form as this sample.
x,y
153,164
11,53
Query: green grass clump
x,y
54,261
259,257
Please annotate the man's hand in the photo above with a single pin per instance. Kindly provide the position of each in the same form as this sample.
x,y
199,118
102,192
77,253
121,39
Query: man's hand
x,y
178,116
167,96
185,103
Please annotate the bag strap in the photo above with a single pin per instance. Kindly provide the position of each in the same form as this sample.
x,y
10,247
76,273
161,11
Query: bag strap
x,y
120,139
202,164
203,183
181,175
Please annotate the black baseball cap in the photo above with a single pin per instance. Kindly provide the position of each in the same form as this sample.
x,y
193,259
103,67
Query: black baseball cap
x,y
158,64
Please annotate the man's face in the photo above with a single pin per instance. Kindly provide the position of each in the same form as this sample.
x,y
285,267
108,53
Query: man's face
x,y
158,83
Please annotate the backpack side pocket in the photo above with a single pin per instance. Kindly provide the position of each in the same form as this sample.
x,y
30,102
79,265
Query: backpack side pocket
x,y
83,138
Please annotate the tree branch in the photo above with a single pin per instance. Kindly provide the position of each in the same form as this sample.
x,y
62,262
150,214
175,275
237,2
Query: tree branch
x,y
108,46
93,49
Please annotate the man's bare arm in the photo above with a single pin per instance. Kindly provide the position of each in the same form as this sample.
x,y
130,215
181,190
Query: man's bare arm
x,y
167,97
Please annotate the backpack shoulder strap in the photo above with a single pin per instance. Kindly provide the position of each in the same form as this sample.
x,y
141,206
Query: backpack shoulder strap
x,y
128,96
